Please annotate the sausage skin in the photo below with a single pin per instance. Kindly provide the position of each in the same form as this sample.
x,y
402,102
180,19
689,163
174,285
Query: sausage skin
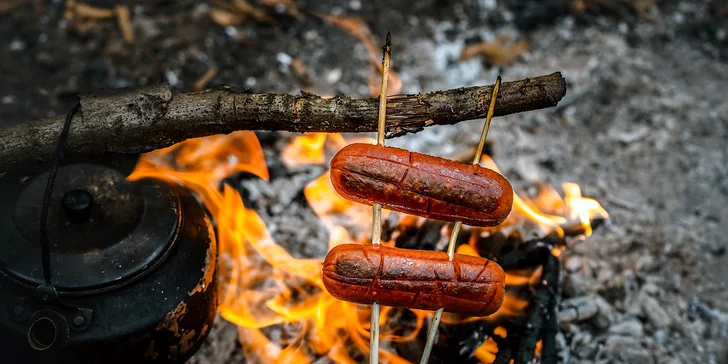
x,y
422,185
418,279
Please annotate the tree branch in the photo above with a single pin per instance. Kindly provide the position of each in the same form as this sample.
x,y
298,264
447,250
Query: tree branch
x,y
149,118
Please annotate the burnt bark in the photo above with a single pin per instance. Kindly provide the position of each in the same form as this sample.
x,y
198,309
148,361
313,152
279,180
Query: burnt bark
x,y
504,354
549,354
540,308
149,118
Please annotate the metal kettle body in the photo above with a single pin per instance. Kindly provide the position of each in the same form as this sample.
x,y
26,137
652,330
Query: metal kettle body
x,y
134,269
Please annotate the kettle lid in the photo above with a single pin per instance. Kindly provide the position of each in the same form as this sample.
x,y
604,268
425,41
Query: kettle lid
x,y
103,229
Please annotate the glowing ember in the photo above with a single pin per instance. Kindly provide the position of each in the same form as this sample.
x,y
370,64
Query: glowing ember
x,y
263,285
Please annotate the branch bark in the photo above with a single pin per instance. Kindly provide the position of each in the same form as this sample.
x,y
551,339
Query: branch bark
x,y
149,118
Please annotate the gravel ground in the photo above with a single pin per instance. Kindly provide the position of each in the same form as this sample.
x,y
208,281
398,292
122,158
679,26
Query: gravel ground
x,y
642,129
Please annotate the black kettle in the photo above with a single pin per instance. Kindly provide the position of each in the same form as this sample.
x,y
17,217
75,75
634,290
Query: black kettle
x,y
133,267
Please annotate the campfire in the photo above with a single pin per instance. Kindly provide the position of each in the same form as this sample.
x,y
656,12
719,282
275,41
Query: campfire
x,y
277,299
230,266
276,295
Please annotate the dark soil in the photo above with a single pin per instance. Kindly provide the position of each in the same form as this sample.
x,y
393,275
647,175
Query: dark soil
x,y
643,127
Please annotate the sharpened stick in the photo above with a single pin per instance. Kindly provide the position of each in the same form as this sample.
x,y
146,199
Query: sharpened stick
x,y
456,228
383,90
377,208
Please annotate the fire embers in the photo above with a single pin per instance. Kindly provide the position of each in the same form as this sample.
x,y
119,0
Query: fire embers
x,y
417,279
265,288
426,186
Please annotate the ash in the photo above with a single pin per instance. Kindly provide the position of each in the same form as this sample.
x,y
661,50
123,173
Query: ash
x,y
642,129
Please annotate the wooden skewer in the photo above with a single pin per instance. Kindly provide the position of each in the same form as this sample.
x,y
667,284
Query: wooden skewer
x,y
383,90
456,228
377,208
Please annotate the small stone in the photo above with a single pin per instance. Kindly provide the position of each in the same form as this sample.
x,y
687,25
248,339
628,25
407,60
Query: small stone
x,y
623,349
310,35
572,264
646,263
650,289
634,308
528,169
584,346
17,45
577,309
577,284
231,31
284,59
172,78
604,275
603,318
276,209
623,28
333,76
632,328
656,315
720,34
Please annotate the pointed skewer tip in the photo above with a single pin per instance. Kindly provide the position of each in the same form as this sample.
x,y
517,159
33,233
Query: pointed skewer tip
x,y
387,49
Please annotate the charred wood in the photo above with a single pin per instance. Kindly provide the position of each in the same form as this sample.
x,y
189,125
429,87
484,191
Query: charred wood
x,y
549,354
539,310
504,354
531,253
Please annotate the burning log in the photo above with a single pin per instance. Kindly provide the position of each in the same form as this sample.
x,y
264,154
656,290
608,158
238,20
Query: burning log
x,y
326,327
542,305
462,338
504,356
149,118
533,252
549,354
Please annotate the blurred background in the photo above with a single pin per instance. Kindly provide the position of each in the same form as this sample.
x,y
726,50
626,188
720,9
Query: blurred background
x,y
643,127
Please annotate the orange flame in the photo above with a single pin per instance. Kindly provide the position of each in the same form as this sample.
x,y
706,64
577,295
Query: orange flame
x,y
583,209
572,206
263,285
486,352
305,149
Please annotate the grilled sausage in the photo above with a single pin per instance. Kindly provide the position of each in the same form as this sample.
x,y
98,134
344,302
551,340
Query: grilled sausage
x,y
421,185
417,279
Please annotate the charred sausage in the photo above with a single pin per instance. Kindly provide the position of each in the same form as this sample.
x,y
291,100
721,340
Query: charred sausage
x,y
417,279
421,185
